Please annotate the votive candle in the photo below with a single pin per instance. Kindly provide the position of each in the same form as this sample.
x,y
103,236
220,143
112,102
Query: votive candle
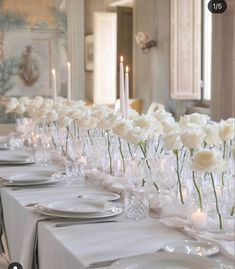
x,y
199,219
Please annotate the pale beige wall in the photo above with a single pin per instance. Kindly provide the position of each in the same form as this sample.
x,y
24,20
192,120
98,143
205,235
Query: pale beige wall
x,y
152,70
223,63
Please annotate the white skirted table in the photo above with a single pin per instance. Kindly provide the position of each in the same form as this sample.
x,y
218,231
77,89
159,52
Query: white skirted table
x,y
79,245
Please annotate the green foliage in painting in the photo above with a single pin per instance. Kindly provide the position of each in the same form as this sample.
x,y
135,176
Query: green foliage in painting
x,y
60,19
8,68
11,20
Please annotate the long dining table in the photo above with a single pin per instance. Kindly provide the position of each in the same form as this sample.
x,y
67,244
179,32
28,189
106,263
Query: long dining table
x,y
57,243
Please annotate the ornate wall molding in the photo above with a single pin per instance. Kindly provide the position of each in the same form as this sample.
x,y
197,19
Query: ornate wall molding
x,y
185,49
75,12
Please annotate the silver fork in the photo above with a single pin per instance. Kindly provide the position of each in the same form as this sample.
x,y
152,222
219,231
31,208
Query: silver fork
x,y
83,222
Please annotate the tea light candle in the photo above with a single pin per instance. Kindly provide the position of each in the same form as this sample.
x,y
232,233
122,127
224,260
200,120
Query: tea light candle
x,y
199,219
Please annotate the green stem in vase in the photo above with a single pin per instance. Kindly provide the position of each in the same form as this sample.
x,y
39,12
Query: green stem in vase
x,y
224,151
147,163
89,136
196,186
109,152
178,176
66,142
129,148
232,211
120,149
216,202
158,143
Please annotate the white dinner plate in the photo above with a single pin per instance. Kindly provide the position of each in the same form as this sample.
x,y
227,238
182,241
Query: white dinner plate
x,y
20,184
29,177
191,247
76,206
165,261
4,146
16,158
103,196
109,212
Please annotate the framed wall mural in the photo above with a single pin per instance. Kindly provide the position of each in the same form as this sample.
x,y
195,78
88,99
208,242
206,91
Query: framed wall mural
x,y
33,40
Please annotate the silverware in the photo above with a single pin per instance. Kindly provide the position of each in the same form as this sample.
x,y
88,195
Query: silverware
x,y
83,222
101,264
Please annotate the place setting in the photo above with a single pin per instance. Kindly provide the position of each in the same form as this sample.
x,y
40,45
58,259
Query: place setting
x,y
79,208
16,158
30,178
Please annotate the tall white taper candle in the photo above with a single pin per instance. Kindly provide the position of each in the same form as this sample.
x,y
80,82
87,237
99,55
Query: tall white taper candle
x,y
53,73
69,82
122,88
126,91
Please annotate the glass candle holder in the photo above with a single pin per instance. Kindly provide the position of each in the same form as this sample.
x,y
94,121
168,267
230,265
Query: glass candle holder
x,y
136,203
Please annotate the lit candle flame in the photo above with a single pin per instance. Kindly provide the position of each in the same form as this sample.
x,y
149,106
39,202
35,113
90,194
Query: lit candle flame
x,y
121,59
68,64
53,71
127,69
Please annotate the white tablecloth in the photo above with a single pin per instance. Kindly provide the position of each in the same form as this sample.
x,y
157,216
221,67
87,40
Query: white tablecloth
x,y
76,246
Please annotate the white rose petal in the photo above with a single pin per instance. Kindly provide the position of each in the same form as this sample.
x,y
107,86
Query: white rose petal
x,y
121,127
171,141
212,135
192,138
137,135
208,161
226,130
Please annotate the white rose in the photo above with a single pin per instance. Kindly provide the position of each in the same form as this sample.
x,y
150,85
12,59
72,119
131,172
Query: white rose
x,y
38,100
171,141
11,105
208,161
100,111
169,126
226,130
212,135
122,126
24,100
162,115
145,121
196,118
20,109
192,138
137,135
64,121
41,113
132,114
108,122
52,116
87,122
157,129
